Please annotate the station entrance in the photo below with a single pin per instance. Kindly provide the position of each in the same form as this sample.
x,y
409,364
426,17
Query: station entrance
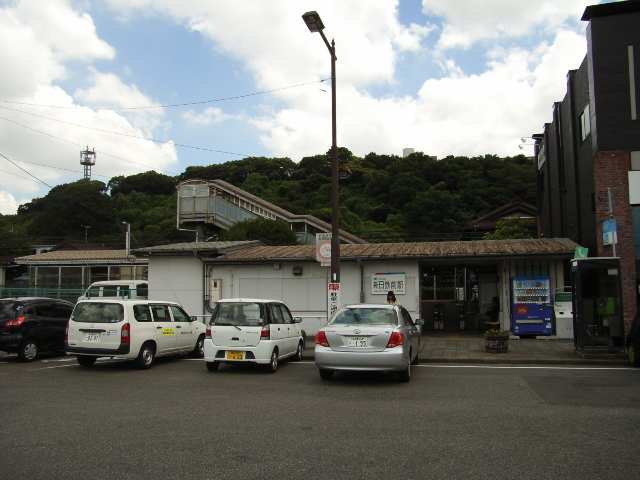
x,y
458,298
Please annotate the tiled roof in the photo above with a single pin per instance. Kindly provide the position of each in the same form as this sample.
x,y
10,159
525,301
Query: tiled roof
x,y
466,249
200,247
80,256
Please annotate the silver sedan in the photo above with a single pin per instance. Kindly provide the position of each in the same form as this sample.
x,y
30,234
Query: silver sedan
x,y
369,337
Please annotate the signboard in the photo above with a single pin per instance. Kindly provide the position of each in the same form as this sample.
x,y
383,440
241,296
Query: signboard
x,y
581,252
323,249
609,232
382,283
333,299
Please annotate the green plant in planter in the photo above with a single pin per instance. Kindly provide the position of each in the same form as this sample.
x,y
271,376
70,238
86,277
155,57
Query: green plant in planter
x,y
496,340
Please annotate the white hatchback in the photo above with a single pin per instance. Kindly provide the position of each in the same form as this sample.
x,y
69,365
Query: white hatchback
x,y
138,330
244,330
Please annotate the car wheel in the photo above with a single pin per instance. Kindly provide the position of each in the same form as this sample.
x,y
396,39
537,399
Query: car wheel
x,y
633,355
146,356
298,356
86,361
28,351
213,366
198,350
273,362
325,374
405,375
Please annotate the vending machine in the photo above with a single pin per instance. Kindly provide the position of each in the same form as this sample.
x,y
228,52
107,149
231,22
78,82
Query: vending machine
x,y
531,309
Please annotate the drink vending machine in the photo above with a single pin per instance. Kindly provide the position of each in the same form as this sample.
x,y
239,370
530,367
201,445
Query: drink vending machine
x,y
532,308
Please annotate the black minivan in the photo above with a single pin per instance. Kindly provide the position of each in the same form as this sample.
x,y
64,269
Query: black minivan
x,y
30,326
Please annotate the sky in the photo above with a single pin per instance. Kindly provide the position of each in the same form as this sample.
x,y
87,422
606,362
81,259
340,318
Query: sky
x,y
463,77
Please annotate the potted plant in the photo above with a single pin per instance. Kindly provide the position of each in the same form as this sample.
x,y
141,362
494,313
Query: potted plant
x,y
496,340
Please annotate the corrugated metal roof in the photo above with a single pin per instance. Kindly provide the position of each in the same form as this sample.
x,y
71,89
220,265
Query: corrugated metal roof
x,y
476,248
96,256
197,247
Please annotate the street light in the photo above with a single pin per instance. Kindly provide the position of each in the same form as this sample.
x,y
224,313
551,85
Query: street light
x,y
314,23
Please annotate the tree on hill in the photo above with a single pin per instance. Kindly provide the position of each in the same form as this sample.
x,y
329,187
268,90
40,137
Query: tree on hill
x,y
512,228
148,182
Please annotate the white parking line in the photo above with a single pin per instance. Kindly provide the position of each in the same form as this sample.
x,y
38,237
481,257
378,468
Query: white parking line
x,y
69,359
55,366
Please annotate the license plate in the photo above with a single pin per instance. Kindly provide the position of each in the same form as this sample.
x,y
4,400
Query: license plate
x,y
235,356
92,338
358,342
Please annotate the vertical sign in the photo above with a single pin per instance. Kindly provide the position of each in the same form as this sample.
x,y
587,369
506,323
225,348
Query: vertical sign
x,y
323,249
609,232
333,299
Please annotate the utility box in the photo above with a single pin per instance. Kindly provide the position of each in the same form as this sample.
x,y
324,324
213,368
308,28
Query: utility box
x,y
563,313
597,304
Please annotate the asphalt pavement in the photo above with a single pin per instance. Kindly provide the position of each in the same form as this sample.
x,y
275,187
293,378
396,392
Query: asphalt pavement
x,y
178,421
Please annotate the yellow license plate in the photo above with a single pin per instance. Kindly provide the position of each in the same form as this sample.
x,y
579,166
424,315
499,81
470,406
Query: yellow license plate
x,y
235,356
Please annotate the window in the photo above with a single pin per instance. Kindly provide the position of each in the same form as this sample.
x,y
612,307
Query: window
x,y
585,123
366,316
142,313
44,310
231,313
121,273
276,314
110,291
286,315
94,312
47,277
160,313
142,290
406,317
142,273
71,277
179,315
99,274
62,311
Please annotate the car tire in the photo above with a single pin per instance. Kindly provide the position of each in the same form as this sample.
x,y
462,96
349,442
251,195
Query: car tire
x,y
86,361
28,351
298,356
213,366
405,375
273,361
325,373
198,350
633,355
146,356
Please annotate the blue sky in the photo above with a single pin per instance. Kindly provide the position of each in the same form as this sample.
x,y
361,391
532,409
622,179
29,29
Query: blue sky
x,y
464,77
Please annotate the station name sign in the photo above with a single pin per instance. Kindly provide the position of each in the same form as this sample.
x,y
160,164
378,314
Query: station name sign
x,y
382,283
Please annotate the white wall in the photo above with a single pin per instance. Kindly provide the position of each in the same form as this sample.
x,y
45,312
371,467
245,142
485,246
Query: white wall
x,y
306,294
178,279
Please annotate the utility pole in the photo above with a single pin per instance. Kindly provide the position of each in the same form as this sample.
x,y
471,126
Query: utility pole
x,y
127,238
86,233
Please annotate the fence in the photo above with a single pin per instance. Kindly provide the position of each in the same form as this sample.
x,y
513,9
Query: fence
x,y
70,294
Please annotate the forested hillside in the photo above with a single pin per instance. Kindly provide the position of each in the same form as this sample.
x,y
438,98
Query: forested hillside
x,y
383,198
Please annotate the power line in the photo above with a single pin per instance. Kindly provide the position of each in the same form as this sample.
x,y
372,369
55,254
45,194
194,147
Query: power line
x,y
71,142
173,105
24,170
130,135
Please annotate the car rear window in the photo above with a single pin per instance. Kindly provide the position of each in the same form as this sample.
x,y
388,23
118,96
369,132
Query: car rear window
x,y
247,314
94,312
366,316
7,310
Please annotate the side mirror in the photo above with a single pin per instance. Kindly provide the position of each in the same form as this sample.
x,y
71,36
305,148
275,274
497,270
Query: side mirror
x,y
297,319
420,322
193,318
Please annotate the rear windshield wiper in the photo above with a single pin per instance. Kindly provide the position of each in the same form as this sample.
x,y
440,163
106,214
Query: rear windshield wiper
x,y
227,325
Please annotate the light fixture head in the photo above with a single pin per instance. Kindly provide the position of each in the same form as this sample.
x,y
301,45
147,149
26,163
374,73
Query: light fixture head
x,y
313,21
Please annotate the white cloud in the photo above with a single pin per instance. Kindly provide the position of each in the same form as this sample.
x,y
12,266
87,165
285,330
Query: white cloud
x,y
210,115
469,21
8,203
43,37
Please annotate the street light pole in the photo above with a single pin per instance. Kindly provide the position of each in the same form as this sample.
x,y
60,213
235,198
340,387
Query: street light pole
x,y
314,23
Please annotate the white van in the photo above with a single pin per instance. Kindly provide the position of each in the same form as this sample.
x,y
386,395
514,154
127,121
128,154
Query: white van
x,y
245,330
117,289
138,330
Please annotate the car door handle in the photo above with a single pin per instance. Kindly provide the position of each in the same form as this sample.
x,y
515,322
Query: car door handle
x,y
159,328
178,326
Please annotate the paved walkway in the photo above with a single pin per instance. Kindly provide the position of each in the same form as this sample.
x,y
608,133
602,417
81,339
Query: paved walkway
x,y
461,348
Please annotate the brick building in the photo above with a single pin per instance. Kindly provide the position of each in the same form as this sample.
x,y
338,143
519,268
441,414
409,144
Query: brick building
x,y
589,155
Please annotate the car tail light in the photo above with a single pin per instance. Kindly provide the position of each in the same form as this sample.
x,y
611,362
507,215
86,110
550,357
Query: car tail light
x,y
321,339
19,320
125,334
395,340
265,333
207,333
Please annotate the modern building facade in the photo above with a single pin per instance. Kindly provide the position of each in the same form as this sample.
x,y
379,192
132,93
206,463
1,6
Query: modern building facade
x,y
589,155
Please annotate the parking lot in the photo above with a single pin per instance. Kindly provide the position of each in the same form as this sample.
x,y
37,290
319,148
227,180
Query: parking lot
x,y
176,420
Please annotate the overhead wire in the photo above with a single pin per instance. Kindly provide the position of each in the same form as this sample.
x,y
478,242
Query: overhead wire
x,y
24,170
172,105
129,135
